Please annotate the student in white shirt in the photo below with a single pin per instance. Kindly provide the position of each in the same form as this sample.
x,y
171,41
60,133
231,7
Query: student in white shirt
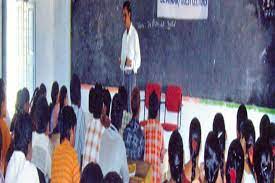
x,y
20,169
112,152
41,144
130,59
75,93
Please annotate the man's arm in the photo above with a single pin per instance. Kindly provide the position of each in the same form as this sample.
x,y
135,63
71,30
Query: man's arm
x,y
137,57
123,53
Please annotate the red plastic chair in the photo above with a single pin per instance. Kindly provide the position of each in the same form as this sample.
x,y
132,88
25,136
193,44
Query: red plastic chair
x,y
173,103
150,87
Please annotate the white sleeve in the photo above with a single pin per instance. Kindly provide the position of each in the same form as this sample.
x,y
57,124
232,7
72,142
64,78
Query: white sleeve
x,y
137,58
123,54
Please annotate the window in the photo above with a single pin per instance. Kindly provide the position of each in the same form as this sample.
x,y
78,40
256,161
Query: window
x,y
20,62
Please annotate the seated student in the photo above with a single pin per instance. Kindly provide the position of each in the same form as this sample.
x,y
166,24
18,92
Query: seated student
x,y
241,118
65,166
22,105
248,135
95,127
6,137
112,177
272,143
133,135
92,174
20,169
127,116
212,159
106,108
54,107
3,88
176,154
33,102
154,139
112,142
220,132
191,169
263,162
264,125
235,163
63,101
75,93
43,90
41,145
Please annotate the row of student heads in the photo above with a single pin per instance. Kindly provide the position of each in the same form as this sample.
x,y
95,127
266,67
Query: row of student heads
x,y
259,156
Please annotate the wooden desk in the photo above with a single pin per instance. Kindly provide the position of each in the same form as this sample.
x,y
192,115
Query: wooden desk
x,y
143,172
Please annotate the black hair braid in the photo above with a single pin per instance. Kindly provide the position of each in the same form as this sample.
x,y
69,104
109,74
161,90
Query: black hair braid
x,y
222,165
193,167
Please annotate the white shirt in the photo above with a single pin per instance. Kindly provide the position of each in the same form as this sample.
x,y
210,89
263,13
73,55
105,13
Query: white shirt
x,y
130,49
112,154
42,153
248,178
20,170
79,131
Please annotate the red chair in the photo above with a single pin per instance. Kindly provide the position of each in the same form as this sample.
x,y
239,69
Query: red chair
x,y
173,103
150,87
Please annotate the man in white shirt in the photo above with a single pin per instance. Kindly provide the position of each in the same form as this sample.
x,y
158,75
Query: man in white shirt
x,y
130,51
112,152
20,169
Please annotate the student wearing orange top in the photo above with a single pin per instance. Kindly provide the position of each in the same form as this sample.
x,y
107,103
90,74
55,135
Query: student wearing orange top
x,y
6,137
65,165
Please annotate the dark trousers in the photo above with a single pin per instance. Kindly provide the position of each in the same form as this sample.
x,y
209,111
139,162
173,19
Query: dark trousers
x,y
129,81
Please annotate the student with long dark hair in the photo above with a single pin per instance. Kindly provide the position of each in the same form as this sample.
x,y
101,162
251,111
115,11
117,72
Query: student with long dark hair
x,y
54,107
264,125
175,154
22,105
191,169
212,159
33,102
63,101
263,162
235,163
220,132
248,133
241,118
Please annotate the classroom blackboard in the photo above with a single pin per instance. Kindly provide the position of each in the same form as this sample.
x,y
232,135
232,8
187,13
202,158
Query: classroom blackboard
x,y
229,56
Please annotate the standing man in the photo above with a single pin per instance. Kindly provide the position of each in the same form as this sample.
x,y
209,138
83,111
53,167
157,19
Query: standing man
x,y
130,51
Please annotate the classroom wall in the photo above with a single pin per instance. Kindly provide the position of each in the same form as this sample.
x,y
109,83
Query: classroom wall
x,y
44,42
52,42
